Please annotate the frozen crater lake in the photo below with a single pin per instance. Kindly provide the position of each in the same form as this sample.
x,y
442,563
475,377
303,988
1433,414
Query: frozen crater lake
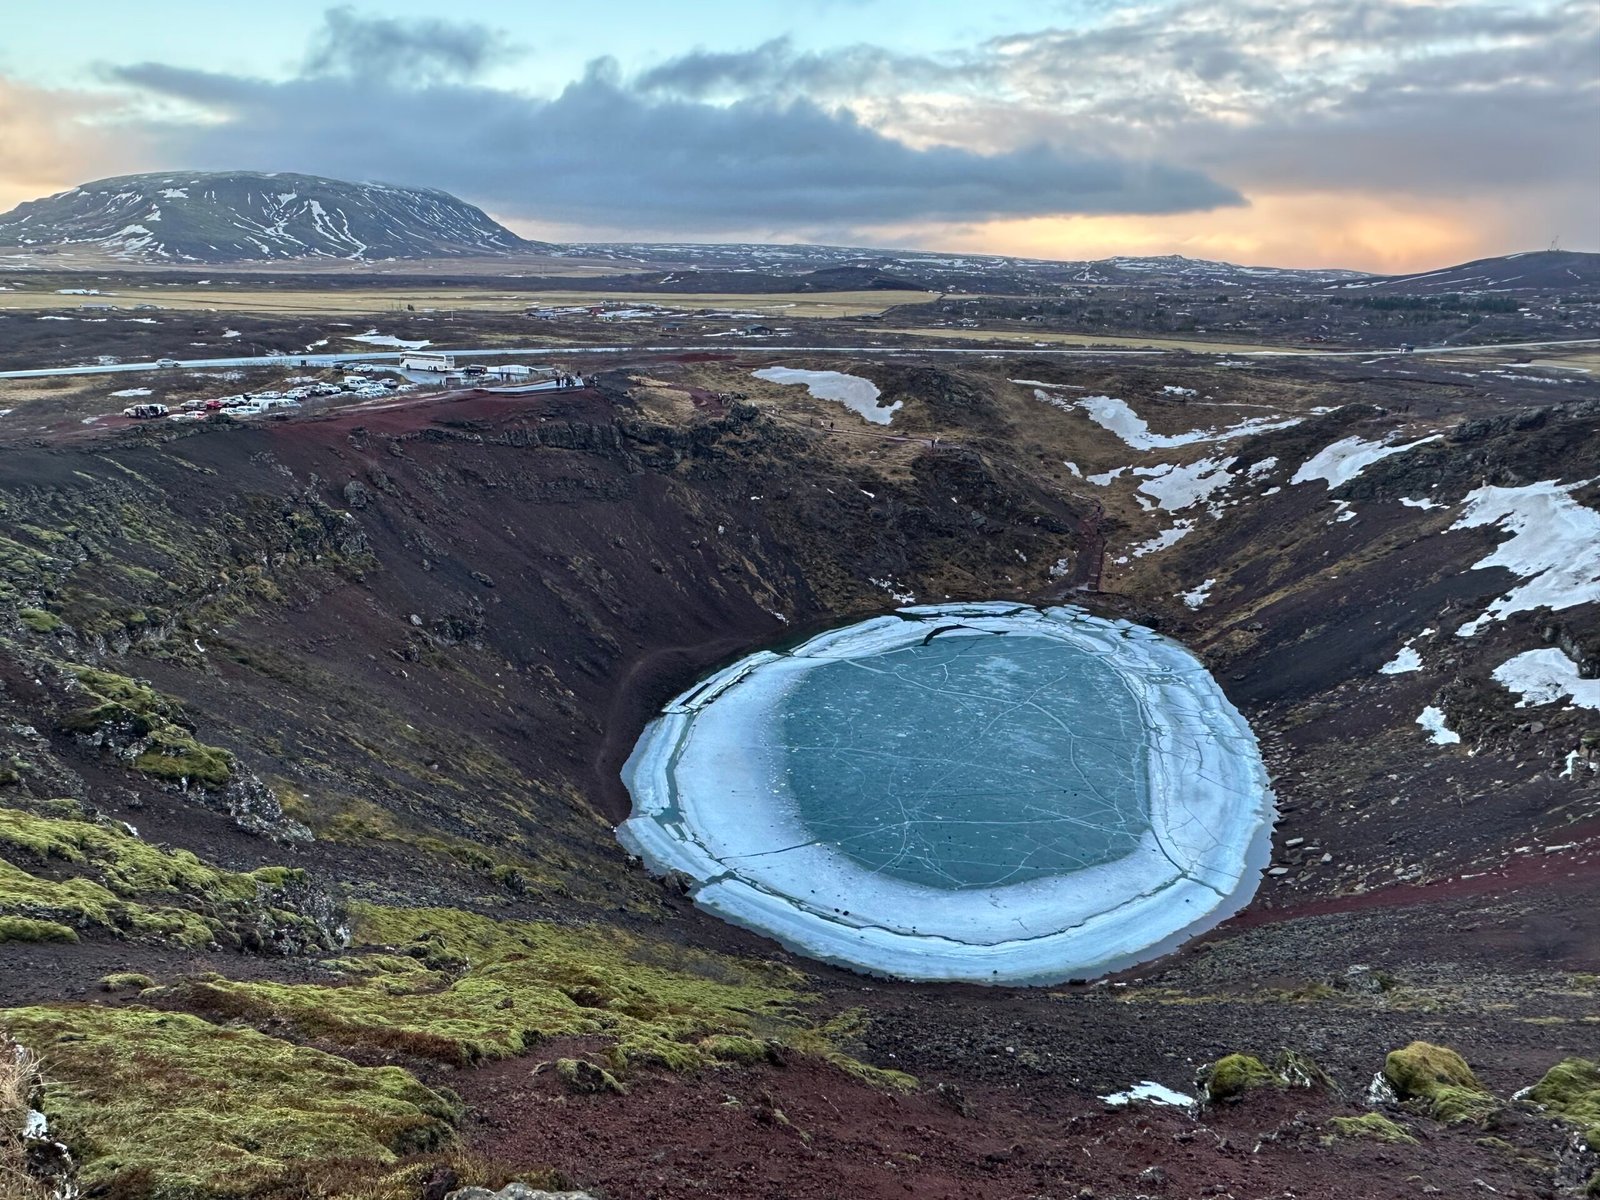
x,y
982,792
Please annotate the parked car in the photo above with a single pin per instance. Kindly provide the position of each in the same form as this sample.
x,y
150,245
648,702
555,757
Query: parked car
x,y
144,412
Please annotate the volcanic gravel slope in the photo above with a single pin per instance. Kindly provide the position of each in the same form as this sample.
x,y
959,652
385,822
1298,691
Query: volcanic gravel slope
x,y
429,632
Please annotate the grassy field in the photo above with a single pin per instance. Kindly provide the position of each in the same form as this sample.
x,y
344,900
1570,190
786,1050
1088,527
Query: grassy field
x,y
1038,338
367,301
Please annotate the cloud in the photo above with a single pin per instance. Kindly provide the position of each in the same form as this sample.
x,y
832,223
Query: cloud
x,y
51,140
617,153
385,48
1136,114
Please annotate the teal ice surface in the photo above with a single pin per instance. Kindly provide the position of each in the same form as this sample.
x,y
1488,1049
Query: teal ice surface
x,y
968,761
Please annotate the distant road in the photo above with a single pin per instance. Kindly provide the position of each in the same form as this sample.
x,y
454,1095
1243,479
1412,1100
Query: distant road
x,y
334,360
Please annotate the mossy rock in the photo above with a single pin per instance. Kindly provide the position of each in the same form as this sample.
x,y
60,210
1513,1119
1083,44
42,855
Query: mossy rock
x,y
584,1077
31,929
1571,1090
40,621
171,752
132,889
1235,1074
1440,1081
170,1106
1372,1127
121,981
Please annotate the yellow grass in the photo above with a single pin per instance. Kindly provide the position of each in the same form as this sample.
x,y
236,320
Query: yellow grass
x,y
376,301
1082,339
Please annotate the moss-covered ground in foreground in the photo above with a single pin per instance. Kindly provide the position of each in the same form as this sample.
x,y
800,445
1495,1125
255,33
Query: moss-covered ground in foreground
x,y
175,1108
462,988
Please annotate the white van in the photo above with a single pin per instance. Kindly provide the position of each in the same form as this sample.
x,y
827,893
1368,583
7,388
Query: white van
x,y
144,412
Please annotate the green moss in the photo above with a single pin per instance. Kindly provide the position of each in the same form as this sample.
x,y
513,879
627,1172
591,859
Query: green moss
x,y
726,1047
1440,1081
1235,1074
29,929
121,980
40,621
171,754
581,1075
169,1106
1571,1090
462,988
1373,1127
131,888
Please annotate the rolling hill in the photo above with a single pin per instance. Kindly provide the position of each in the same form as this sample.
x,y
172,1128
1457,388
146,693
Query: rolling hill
x,y
1534,270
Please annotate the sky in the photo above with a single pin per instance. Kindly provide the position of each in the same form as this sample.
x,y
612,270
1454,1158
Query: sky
x,y
1384,135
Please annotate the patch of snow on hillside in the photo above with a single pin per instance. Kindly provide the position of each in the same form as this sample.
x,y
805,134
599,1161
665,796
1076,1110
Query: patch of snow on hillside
x,y
1149,1090
126,392
1544,676
1423,503
1432,719
1339,463
1176,488
373,338
1197,596
859,395
1167,537
1105,478
175,193
1172,389
1110,413
1554,547
1402,663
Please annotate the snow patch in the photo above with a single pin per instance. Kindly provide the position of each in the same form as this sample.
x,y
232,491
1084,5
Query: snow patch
x,y
373,338
1152,1091
1402,663
1110,413
125,392
1545,676
859,395
1339,463
1432,719
1197,596
1176,488
1554,547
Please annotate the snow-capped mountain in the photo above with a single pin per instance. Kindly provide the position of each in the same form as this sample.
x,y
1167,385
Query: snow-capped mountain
x,y
235,216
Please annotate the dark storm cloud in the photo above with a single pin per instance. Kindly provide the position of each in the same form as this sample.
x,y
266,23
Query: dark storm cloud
x,y
610,153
